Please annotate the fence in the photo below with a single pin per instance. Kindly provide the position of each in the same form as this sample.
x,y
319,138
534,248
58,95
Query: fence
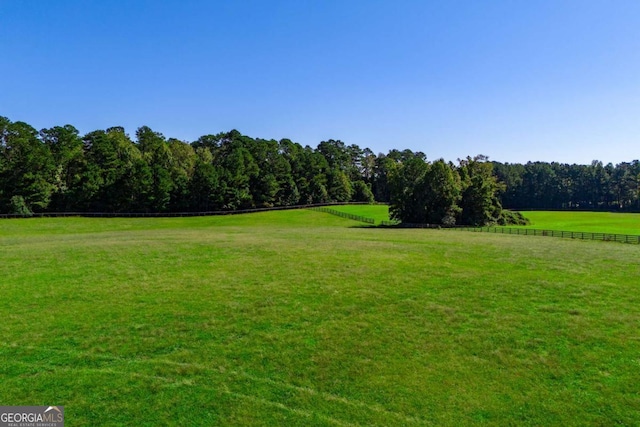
x,y
345,215
606,237
165,214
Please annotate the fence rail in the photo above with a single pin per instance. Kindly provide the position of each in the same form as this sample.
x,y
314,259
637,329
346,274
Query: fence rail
x,y
345,215
165,214
323,207
582,235
606,237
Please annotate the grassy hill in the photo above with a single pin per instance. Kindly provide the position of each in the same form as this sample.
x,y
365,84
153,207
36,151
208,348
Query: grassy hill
x,y
378,212
304,318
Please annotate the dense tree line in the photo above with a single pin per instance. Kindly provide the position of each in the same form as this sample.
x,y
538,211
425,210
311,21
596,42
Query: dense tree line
x,y
60,170
539,185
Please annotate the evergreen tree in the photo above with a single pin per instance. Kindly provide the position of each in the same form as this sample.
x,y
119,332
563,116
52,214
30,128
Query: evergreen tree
x,y
27,168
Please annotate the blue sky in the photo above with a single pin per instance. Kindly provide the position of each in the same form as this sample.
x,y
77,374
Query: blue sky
x,y
550,80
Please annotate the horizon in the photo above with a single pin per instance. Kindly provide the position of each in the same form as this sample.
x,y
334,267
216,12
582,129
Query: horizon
x,y
314,146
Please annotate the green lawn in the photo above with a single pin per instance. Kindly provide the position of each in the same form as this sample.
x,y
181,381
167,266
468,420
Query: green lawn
x,y
304,318
595,222
378,212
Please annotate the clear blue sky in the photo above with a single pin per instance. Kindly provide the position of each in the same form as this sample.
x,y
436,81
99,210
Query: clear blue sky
x,y
551,80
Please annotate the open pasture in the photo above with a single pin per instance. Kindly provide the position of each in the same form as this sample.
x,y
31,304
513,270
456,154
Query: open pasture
x,y
594,222
304,318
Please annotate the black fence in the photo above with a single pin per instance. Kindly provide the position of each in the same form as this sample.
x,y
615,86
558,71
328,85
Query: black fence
x,y
345,215
606,237
166,214
323,207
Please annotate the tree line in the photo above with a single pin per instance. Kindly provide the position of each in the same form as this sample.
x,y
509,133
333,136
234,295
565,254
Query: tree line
x,y
540,185
59,170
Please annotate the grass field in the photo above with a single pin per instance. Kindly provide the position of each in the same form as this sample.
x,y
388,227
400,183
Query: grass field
x,y
595,222
378,212
304,318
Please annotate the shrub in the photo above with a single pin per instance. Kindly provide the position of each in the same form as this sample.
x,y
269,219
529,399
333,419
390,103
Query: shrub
x,y
512,218
18,206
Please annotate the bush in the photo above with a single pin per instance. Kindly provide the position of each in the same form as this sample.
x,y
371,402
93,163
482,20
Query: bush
x,y
449,220
18,206
512,218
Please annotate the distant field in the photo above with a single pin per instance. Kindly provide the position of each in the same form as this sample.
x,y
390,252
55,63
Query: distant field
x,y
596,222
304,318
378,212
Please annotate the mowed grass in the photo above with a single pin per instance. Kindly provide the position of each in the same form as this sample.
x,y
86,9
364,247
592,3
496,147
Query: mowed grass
x,y
304,318
594,222
378,212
